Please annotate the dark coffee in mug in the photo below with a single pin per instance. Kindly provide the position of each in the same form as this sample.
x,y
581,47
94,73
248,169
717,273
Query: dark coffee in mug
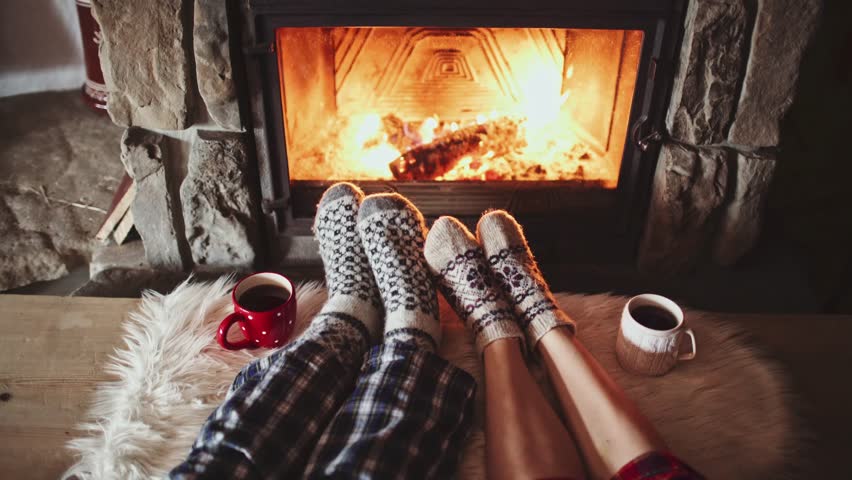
x,y
654,318
263,297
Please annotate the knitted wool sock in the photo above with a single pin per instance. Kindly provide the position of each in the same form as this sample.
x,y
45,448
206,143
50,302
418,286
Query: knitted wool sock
x,y
517,272
392,232
462,272
351,318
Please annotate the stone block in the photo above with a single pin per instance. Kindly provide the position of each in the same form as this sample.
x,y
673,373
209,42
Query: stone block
x,y
154,209
109,256
28,257
141,152
146,59
220,215
690,186
782,31
213,69
711,65
743,215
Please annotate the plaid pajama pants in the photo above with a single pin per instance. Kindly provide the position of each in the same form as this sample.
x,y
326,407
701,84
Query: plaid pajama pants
x,y
302,413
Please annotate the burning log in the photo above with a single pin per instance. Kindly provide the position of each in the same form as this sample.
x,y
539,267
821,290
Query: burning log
x,y
429,161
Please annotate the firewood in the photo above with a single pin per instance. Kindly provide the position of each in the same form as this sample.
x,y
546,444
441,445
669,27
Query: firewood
x,y
121,200
429,161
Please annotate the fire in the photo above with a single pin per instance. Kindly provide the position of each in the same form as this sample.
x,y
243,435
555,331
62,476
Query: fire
x,y
544,133
362,150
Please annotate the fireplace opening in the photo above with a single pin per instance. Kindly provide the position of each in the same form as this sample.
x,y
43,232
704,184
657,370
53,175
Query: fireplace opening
x,y
457,104
543,108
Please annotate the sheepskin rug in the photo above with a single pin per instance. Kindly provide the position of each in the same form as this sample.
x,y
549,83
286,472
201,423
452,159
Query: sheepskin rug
x,y
728,412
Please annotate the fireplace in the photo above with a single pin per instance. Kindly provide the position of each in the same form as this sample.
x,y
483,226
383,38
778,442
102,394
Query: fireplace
x,y
523,107
622,133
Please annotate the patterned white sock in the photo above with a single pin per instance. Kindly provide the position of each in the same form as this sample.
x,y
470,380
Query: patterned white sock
x,y
351,318
462,272
515,268
392,232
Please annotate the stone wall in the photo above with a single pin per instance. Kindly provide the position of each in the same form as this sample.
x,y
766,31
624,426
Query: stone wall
x,y
735,80
168,68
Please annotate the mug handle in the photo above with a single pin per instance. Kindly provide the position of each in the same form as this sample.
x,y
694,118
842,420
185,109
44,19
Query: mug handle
x,y
222,333
690,355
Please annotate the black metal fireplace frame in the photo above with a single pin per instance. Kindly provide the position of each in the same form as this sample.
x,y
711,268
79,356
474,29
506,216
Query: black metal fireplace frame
x,y
618,213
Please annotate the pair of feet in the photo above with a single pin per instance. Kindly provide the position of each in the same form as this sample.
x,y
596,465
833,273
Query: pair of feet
x,y
372,249
492,279
379,263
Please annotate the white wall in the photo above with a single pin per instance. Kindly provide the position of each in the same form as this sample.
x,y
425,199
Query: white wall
x,y
40,46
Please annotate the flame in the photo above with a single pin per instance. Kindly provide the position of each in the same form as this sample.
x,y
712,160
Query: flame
x,y
539,137
558,154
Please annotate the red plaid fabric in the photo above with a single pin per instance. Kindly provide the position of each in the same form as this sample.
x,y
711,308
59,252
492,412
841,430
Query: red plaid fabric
x,y
657,466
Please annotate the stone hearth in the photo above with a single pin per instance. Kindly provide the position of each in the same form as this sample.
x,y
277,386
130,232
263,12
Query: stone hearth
x,y
168,66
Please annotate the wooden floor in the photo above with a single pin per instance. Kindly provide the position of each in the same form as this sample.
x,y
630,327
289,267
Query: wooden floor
x,y
53,349
52,353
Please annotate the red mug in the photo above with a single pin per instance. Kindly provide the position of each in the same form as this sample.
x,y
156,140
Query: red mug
x,y
264,308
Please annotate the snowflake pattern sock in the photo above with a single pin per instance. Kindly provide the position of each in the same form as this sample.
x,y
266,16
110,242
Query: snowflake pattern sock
x,y
392,232
462,272
351,318
516,271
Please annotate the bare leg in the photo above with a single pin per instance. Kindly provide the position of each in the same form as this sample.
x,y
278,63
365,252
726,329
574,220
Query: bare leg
x,y
524,437
608,427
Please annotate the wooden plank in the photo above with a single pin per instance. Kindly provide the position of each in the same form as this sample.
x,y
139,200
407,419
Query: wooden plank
x,y
52,353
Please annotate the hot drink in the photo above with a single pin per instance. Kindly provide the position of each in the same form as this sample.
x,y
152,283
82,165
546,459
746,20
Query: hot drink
x,y
654,318
264,309
649,340
263,297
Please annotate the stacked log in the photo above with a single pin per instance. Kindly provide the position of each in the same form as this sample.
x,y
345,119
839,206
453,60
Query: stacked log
x,y
431,160
500,136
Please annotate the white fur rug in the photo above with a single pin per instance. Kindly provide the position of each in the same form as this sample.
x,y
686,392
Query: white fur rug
x,y
728,413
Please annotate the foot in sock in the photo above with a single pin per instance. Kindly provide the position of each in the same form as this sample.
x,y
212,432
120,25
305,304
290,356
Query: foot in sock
x,y
351,318
517,272
459,264
392,231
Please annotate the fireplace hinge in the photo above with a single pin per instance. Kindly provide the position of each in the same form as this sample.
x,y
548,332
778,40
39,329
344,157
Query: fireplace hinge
x,y
270,206
260,49
644,134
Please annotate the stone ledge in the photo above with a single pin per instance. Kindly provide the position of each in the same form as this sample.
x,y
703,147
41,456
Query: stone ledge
x,y
213,70
128,256
711,65
690,185
154,209
782,31
742,219
219,212
146,62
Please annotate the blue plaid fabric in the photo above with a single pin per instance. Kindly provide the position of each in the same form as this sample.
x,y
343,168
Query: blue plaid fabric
x,y
407,418
408,414
269,424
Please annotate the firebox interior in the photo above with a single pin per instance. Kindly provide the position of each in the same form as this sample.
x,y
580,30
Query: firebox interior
x,y
457,104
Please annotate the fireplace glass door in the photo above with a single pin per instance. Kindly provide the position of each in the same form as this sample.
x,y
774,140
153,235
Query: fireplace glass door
x,y
470,105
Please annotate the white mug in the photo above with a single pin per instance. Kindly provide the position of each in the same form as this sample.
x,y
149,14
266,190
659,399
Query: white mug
x,y
652,346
